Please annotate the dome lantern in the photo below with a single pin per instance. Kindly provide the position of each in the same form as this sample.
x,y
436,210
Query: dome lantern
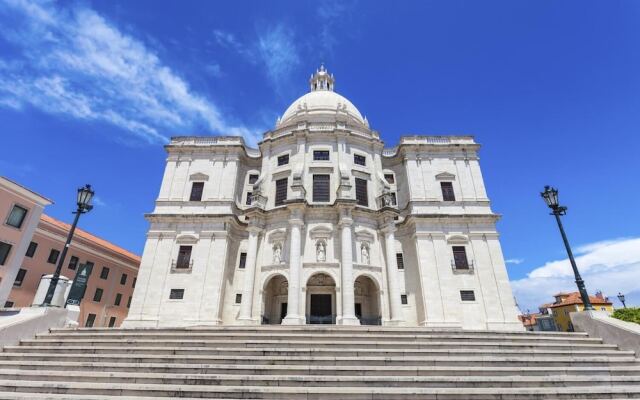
x,y
321,80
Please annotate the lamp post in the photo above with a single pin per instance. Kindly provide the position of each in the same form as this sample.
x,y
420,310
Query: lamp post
x,y
621,298
550,196
85,194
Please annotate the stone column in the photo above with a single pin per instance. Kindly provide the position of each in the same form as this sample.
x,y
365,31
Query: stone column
x,y
346,286
295,265
249,275
392,274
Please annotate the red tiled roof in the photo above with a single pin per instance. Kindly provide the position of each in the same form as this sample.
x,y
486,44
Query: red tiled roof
x,y
574,298
528,320
88,236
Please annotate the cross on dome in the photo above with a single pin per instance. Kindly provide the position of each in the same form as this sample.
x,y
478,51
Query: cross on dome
x,y
321,80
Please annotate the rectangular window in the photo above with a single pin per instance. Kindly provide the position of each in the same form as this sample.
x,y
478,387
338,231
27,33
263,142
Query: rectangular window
x,y
17,216
281,191
403,299
8,304
400,260
467,295
248,201
176,294
123,279
135,279
283,160
253,178
184,257
91,318
129,302
460,257
5,249
321,188
359,160
394,199
238,298
97,296
118,299
31,250
390,178
53,256
104,274
243,260
321,155
20,277
196,191
447,191
73,262
362,197
112,322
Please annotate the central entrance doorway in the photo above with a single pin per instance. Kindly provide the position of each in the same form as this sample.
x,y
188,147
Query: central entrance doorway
x,y
321,299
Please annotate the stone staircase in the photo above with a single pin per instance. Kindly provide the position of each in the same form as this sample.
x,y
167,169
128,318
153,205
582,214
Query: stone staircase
x,y
315,362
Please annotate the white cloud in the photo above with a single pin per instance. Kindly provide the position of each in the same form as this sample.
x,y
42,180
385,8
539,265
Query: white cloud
x,y
97,201
514,261
73,62
611,266
277,50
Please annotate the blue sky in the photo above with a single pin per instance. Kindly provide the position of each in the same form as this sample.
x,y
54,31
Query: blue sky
x,y
90,91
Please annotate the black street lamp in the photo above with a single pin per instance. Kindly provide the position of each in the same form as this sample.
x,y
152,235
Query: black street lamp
x,y
621,298
85,194
550,196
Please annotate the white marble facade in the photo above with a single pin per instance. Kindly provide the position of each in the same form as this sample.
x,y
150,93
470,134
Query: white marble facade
x,y
223,248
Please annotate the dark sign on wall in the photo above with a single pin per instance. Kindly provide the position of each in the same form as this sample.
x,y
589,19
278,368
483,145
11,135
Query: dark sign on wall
x,y
79,285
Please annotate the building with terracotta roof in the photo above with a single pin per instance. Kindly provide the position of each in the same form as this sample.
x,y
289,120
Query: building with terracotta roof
x,y
566,303
35,253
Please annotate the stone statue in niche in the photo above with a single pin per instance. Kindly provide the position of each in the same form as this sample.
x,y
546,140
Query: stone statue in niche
x,y
321,251
277,253
364,252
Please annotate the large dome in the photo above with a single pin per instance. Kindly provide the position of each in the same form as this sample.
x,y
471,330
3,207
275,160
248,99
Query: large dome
x,y
322,103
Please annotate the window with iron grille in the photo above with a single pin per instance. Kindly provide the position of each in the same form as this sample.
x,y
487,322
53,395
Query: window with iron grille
x,y
253,178
196,191
104,274
31,251
17,216
5,249
362,197
404,299
20,277
53,256
321,188
243,260
97,296
447,191
394,199
91,318
460,257
248,201
73,263
238,298
118,299
176,294
283,160
8,304
321,155
390,178
359,159
184,257
467,295
281,191
400,260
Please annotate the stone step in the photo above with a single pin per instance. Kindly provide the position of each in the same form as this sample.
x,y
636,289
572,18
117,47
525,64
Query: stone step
x,y
127,348
252,369
304,343
441,381
312,392
462,360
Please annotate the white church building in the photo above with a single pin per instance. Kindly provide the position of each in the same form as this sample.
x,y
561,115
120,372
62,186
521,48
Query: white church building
x,y
323,224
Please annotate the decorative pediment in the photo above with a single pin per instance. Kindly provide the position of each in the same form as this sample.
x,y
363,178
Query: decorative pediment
x,y
198,176
187,238
457,239
445,176
364,236
277,236
320,232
